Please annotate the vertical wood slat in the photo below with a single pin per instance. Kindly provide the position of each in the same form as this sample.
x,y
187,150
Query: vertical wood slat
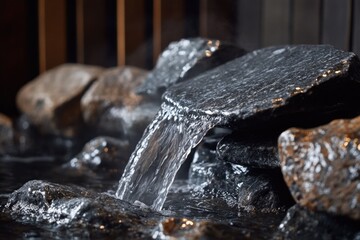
x,y
276,22
157,29
80,31
120,10
249,24
306,21
356,27
169,23
96,32
173,21
336,23
52,33
217,19
19,61
203,18
133,45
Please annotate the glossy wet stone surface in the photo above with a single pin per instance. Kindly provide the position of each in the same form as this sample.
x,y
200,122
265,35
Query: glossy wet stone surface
x,y
254,150
188,58
282,85
300,223
49,203
52,100
102,155
321,166
247,189
112,106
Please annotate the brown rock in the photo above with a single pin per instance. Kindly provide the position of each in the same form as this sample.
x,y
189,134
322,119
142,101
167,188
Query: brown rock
x,y
112,105
52,100
6,133
321,166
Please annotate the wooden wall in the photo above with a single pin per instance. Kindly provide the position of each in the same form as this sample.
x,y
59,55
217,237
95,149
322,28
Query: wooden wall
x,y
37,35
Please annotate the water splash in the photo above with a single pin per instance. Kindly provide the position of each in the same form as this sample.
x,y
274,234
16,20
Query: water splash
x,y
164,146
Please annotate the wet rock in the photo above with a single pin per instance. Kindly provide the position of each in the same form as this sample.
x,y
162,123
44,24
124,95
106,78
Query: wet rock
x,y
254,150
105,155
214,178
188,58
280,86
246,188
112,106
183,228
263,191
52,100
48,203
300,223
321,166
6,134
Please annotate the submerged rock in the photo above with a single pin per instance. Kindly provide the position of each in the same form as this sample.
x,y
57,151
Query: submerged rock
x,y
254,150
300,223
246,188
183,228
102,155
188,58
321,166
264,191
280,86
214,178
6,134
48,203
52,100
112,106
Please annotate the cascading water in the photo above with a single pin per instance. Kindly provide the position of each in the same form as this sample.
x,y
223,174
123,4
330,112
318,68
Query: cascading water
x,y
165,145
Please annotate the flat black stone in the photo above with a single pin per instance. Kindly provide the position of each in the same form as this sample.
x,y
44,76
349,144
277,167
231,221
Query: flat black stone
x,y
188,58
256,151
296,85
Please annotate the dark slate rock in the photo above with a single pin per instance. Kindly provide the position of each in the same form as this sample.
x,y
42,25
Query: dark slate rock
x,y
321,166
188,58
264,191
215,178
52,100
282,86
300,223
248,189
75,207
105,155
250,150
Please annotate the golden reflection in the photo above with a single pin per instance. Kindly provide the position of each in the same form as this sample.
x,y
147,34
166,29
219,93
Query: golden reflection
x,y
208,53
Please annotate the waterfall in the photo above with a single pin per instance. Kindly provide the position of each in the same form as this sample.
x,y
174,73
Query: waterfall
x,y
165,145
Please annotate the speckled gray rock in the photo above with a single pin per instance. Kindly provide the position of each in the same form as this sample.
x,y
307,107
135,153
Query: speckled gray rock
x,y
52,100
188,58
105,155
249,149
300,223
112,106
321,166
49,203
286,83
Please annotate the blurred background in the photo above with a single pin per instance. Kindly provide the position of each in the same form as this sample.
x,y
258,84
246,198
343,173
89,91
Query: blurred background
x,y
37,35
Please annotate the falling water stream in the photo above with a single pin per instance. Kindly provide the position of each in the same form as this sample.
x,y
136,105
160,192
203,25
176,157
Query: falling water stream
x,y
165,145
